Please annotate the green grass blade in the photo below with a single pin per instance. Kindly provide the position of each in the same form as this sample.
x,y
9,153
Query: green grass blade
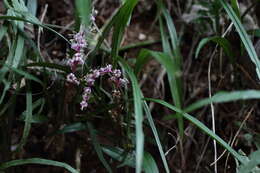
x,y
84,11
141,60
28,120
124,17
72,128
18,52
234,5
243,35
3,31
254,160
173,52
25,74
172,74
50,65
165,42
120,155
224,43
105,32
32,6
97,148
138,111
169,65
255,32
156,136
173,37
223,97
40,161
34,23
150,165
201,126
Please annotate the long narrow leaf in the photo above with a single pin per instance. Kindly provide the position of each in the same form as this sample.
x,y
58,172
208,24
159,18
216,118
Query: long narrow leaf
x,y
40,161
28,120
201,126
34,23
243,35
156,136
223,97
84,10
97,147
138,110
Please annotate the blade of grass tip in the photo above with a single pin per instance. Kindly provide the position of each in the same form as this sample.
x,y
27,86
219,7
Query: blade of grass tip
x,y
224,43
201,126
165,42
124,17
97,148
150,165
138,110
84,11
156,136
173,37
40,161
243,35
28,119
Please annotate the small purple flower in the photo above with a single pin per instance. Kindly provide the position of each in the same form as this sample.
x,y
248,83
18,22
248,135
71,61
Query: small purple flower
x,y
78,57
75,61
90,79
92,18
96,73
87,90
113,79
105,70
78,42
123,82
72,79
83,104
117,73
85,97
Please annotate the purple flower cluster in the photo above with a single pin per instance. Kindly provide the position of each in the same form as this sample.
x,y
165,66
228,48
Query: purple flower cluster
x,y
78,43
115,77
72,79
89,81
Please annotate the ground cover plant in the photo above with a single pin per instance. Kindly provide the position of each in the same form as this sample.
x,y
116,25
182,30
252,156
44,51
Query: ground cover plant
x,y
129,86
